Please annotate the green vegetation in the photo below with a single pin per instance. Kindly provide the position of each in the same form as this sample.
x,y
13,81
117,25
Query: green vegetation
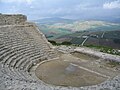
x,y
61,28
63,43
49,36
66,43
52,42
103,36
76,40
112,34
53,33
105,49
97,47
99,33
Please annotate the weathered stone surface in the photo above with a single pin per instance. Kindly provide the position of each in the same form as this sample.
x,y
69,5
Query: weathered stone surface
x,y
22,46
12,19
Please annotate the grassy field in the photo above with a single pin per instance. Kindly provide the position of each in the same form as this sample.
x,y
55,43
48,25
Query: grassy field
x,y
99,33
58,29
101,38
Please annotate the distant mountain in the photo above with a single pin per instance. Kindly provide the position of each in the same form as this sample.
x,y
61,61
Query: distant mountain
x,y
58,27
53,20
95,32
108,19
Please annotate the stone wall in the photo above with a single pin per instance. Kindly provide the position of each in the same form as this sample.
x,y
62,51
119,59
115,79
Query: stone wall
x,y
6,19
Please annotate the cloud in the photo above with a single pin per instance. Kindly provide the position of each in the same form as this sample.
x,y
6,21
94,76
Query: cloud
x,y
112,5
17,1
62,8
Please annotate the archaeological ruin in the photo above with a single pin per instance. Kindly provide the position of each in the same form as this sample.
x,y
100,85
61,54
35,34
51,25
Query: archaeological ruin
x,y
29,62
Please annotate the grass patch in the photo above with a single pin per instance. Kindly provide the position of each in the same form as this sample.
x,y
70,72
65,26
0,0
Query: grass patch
x,y
105,49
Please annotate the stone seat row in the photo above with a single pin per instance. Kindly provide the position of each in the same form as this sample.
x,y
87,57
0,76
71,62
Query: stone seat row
x,y
18,54
21,48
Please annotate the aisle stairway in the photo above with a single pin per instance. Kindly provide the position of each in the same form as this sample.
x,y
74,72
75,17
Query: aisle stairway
x,y
23,46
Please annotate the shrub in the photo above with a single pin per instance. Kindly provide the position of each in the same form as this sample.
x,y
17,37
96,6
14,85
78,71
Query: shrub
x,y
52,42
66,43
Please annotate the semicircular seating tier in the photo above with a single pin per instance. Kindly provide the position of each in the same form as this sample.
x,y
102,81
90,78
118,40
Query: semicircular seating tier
x,y
22,47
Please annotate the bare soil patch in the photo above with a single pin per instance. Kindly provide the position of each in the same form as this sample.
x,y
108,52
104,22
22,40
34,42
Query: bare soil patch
x,y
63,73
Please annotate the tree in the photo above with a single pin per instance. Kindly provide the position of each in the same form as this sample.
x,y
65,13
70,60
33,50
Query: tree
x,y
52,42
66,43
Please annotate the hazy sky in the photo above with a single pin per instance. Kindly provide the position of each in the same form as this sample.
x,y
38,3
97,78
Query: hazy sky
x,y
36,9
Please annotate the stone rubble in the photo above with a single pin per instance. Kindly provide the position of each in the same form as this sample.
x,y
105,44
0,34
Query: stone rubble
x,y
21,48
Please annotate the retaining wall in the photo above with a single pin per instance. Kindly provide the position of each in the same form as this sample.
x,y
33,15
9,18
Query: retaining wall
x,y
6,19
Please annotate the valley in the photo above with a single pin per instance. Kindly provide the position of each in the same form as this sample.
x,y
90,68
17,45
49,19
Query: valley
x,y
84,33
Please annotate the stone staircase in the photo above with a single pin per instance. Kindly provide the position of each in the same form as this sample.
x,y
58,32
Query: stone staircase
x,y
23,46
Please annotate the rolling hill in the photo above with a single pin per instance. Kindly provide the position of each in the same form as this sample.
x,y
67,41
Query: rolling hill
x,y
94,32
53,20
